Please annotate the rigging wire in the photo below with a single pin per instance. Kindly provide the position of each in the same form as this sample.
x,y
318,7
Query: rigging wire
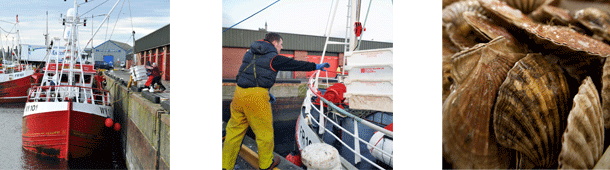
x,y
128,39
93,8
250,16
7,31
117,20
131,20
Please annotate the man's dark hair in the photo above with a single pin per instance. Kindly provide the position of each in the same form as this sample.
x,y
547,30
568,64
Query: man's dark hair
x,y
272,37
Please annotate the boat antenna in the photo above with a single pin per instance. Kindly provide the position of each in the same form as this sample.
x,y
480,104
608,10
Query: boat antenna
x,y
250,16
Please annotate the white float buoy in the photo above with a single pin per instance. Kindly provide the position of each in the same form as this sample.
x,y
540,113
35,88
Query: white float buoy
x,y
321,156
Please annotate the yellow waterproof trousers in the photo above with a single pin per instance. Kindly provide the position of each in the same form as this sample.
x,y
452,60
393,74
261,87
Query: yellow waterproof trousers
x,y
250,107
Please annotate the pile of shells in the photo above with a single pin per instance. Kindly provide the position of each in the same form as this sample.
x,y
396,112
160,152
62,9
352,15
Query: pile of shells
x,y
526,84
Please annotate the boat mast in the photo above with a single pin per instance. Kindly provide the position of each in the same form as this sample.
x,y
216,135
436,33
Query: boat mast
x,y
46,34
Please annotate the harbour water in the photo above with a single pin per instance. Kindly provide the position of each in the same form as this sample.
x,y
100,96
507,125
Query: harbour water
x,y
13,156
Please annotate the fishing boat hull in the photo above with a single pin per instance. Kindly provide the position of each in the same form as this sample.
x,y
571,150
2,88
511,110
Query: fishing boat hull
x,y
64,130
15,89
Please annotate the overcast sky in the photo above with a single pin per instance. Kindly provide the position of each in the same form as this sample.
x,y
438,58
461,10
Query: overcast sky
x,y
147,15
308,17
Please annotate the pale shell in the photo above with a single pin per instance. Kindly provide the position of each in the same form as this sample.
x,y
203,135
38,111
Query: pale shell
x,y
529,113
583,140
467,139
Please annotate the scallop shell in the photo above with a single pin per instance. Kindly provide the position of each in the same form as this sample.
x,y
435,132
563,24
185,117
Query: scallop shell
x,y
461,66
485,26
448,51
467,139
553,39
606,94
448,2
505,12
595,20
583,140
525,6
554,15
452,14
529,114
456,27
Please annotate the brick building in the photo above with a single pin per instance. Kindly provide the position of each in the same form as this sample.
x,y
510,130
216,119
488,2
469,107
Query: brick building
x,y
154,47
235,43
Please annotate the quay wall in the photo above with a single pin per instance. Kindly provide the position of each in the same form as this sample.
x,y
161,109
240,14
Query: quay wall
x,y
145,130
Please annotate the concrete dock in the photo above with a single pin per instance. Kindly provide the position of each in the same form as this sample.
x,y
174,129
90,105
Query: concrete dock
x,y
145,123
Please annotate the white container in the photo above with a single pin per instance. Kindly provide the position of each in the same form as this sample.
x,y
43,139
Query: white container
x,y
370,72
138,72
375,56
384,87
370,81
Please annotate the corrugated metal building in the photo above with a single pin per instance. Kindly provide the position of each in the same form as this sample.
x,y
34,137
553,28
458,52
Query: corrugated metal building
x,y
111,51
154,47
235,43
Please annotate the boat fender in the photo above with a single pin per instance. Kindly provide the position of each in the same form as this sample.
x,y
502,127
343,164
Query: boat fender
x,y
383,142
117,127
108,122
321,156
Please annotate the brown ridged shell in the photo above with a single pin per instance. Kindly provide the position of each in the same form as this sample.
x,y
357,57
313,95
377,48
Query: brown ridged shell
x,y
525,6
467,138
530,110
595,20
583,140
554,39
461,66
486,27
606,94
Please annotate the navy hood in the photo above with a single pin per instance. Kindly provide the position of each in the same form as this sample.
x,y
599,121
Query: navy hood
x,y
262,47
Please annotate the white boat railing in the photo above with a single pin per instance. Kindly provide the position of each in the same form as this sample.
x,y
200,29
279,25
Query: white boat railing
x,y
322,127
64,93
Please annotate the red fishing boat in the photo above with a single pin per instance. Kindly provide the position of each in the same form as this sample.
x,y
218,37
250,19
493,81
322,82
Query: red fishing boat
x,y
15,77
68,115
15,80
